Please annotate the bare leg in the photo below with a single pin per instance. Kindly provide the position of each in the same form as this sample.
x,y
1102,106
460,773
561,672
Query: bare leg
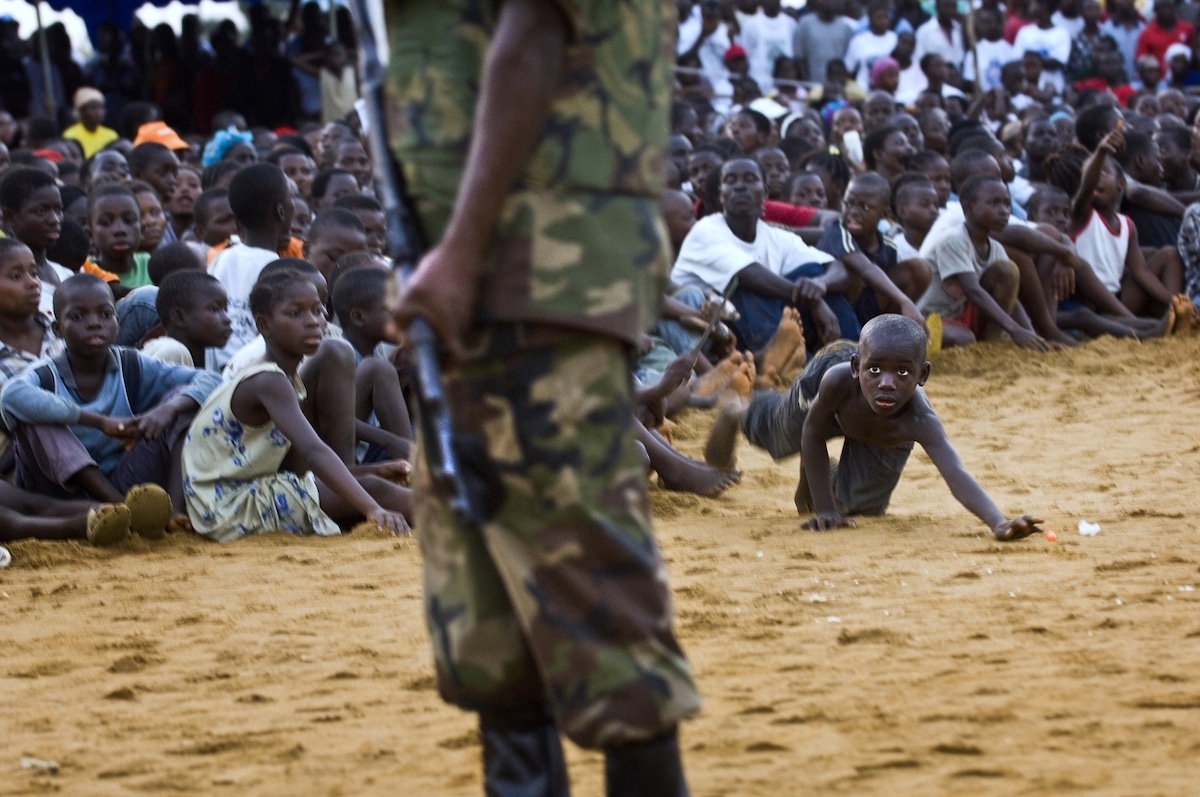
x,y
387,494
718,378
15,525
720,449
329,406
1093,325
1166,267
31,504
92,482
377,389
1003,281
1034,297
683,474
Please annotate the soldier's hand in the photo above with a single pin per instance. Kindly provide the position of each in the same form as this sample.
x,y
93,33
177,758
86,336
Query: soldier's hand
x,y
443,291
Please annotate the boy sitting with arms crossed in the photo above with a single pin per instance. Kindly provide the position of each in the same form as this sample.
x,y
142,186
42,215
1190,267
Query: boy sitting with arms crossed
x,y
101,421
974,286
870,394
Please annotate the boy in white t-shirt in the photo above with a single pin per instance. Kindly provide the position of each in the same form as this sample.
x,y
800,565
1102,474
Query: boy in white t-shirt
x,y
991,51
872,44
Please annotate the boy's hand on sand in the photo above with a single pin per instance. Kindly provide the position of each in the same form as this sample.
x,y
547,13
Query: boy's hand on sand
x,y
1018,528
391,522
828,521
442,290
1028,339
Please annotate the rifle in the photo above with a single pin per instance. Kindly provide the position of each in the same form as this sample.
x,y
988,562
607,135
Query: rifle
x,y
405,244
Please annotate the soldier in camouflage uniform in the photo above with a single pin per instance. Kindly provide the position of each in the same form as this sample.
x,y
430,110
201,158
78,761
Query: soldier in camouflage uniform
x,y
532,135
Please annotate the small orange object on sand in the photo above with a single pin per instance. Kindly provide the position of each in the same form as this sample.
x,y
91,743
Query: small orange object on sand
x,y
1051,536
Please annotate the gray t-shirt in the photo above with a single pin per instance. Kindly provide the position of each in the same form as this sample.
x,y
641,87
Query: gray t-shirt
x,y
819,42
955,254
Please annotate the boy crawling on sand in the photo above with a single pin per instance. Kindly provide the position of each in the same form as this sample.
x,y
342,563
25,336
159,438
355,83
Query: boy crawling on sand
x,y
870,394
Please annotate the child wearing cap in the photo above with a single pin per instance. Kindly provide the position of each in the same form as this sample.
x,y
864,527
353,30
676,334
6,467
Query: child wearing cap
x,y
90,131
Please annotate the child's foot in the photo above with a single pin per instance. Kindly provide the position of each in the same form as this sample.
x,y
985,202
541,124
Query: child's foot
x,y
685,475
768,379
795,366
107,524
742,384
1185,314
394,470
150,510
779,349
180,524
718,378
722,440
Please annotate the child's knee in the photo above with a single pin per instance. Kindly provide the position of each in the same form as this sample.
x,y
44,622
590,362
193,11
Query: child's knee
x,y
1003,277
334,358
917,273
376,370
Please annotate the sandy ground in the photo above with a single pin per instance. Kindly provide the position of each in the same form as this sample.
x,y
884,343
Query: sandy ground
x,y
912,655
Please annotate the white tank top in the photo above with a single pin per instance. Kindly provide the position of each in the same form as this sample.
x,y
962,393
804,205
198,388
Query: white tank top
x,y
1105,248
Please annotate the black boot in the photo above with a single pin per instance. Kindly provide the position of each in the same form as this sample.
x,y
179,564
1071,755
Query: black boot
x,y
522,758
646,769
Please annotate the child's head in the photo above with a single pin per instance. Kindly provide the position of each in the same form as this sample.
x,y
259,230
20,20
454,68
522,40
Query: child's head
x,y
260,200
289,312
32,207
302,268
333,233
1041,140
75,205
194,308
297,166
370,213
182,203
20,288
878,110
678,214
1040,10
352,261
985,202
301,219
844,120
212,217
219,175
989,23
360,304
776,170
890,362
969,162
156,165
935,127
886,149
89,107
934,67
989,144
167,260
331,185
85,316
1173,102
1094,123
1174,148
750,129
834,172
1050,205
73,246
807,189
865,205
909,127
915,203
154,220
1165,13
115,221
1140,158
1012,78
1149,71
702,161
934,167
350,156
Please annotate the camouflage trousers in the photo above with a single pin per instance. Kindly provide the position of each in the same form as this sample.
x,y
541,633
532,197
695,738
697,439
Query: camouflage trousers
x,y
561,599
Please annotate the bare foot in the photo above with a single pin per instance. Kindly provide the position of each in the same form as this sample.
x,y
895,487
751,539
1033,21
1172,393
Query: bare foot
x,y
795,366
1185,315
722,440
779,349
394,470
742,384
768,379
686,475
718,378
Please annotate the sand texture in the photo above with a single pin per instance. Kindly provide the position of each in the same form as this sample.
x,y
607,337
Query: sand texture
x,y
912,655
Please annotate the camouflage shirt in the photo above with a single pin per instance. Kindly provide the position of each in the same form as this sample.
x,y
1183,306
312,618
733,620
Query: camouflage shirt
x,y
580,242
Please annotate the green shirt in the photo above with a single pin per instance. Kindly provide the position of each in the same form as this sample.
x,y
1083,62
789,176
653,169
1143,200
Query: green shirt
x,y
581,242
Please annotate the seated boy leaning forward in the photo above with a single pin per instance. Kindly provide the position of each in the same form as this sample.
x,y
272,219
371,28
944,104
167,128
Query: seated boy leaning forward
x,y
871,394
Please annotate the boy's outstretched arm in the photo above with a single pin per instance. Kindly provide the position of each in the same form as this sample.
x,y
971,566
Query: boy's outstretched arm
x,y
967,491
819,426
869,272
1081,204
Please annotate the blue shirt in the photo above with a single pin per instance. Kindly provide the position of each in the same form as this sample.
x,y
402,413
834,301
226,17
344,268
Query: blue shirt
x,y
24,401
